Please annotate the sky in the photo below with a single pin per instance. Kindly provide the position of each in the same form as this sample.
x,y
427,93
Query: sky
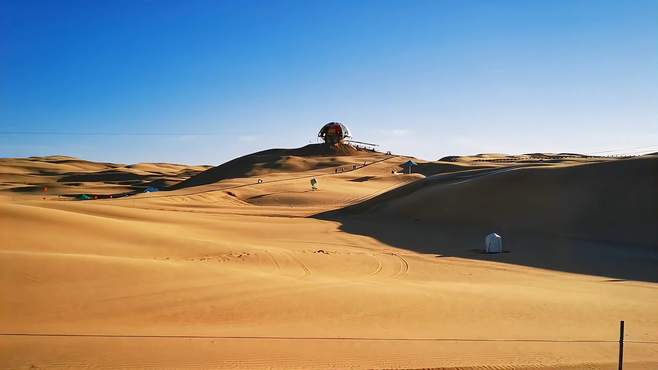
x,y
203,82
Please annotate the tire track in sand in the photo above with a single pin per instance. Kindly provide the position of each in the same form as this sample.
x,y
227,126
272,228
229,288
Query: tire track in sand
x,y
380,266
299,262
404,266
275,263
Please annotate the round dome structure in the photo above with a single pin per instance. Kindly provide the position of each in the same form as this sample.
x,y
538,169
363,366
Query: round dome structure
x,y
334,133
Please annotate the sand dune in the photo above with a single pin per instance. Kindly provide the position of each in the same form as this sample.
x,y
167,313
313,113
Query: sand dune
x,y
596,218
492,158
310,157
229,272
69,176
612,201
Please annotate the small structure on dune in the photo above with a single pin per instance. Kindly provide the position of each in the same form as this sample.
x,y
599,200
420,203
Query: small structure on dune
x,y
84,197
493,243
334,133
151,189
408,165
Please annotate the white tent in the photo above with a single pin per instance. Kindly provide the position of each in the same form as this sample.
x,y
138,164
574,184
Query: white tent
x,y
493,243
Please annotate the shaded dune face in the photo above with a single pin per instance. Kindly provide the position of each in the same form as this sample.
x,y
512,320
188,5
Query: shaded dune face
x,y
611,201
598,218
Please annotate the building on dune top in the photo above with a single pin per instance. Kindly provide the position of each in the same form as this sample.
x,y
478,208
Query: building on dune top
x,y
334,133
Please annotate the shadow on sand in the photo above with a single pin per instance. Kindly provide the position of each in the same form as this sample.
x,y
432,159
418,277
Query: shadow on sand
x,y
615,261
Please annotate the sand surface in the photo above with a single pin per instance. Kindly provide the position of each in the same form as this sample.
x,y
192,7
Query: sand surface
x,y
373,270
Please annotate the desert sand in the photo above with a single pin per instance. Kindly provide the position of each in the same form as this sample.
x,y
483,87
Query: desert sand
x,y
375,269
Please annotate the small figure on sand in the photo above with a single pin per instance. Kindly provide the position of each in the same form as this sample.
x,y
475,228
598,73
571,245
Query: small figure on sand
x,y
314,184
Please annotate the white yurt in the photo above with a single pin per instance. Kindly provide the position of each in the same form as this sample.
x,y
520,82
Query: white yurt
x,y
493,243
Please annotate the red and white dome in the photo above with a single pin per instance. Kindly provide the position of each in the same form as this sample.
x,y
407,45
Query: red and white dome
x,y
334,133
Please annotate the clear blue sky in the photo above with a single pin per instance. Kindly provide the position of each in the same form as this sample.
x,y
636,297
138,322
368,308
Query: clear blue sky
x,y
205,81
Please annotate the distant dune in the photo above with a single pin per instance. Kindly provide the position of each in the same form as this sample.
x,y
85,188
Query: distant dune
x,y
501,157
65,175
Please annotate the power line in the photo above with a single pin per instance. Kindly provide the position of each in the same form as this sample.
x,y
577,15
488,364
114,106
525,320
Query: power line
x,y
119,336
65,133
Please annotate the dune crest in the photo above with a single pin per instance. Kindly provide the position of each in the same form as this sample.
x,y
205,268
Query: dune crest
x,y
309,157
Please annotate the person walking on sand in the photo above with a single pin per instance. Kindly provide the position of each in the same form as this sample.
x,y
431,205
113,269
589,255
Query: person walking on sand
x,y
314,184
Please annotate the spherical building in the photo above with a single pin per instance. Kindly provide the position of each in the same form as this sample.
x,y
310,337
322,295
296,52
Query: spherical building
x,y
334,133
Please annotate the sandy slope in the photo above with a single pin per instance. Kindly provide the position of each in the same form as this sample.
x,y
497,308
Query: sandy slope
x,y
69,176
613,201
260,277
308,158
